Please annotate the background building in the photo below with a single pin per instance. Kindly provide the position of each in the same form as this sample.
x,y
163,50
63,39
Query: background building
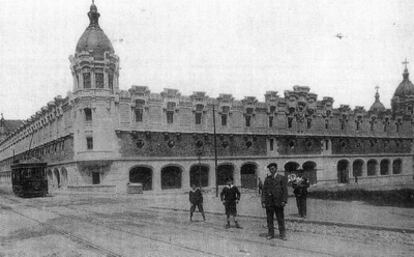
x,y
102,138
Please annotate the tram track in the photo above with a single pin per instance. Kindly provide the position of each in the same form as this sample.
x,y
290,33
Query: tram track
x,y
85,242
71,236
218,232
143,217
212,230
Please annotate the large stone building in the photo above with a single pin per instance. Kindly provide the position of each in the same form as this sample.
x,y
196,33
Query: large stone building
x,y
102,138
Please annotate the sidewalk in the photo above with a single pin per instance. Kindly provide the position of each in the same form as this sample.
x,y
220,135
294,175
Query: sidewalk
x,y
341,213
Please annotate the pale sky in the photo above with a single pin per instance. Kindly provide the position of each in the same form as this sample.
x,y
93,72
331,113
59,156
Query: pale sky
x,y
241,47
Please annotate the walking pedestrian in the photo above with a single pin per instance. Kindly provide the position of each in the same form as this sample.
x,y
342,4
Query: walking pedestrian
x,y
300,186
196,200
274,199
230,196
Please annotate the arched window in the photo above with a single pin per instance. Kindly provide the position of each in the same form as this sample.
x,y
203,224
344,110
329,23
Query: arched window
x,y
372,167
86,79
88,114
396,166
99,79
385,167
141,175
171,177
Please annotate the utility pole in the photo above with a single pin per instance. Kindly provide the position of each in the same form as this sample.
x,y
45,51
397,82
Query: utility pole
x,y
215,147
199,169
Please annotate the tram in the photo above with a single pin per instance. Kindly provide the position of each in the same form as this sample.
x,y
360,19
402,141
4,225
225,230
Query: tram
x,y
29,179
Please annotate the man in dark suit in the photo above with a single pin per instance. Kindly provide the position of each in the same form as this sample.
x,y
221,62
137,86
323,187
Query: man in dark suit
x,y
274,199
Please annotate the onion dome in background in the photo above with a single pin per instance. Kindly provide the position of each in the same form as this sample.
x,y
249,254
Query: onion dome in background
x,y
377,106
406,87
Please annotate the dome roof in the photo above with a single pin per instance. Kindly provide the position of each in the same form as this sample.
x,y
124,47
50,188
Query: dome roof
x,y
406,87
94,39
377,106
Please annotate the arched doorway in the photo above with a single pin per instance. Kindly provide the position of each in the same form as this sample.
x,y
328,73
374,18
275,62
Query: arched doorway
x,y
199,175
57,177
248,175
396,166
385,167
343,171
171,177
224,172
357,168
372,167
143,175
309,169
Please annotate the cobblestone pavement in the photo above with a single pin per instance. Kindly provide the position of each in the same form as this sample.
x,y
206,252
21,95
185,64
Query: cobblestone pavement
x,y
348,212
87,225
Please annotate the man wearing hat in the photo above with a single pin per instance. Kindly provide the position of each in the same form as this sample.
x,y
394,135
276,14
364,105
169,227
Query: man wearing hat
x,y
274,199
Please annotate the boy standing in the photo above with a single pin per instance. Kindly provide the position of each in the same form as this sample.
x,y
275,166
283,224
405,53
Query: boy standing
x,y
230,196
196,200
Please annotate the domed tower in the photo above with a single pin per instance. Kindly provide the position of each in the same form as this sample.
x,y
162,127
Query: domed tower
x,y
95,70
402,103
377,106
95,66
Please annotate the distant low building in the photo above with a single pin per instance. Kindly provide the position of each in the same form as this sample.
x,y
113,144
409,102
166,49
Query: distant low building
x,y
8,126
102,138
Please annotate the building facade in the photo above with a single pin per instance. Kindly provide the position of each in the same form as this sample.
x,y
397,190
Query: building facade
x,y
101,138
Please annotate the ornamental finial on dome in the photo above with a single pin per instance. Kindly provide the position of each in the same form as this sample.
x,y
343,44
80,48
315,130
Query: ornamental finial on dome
x,y
93,16
377,106
406,74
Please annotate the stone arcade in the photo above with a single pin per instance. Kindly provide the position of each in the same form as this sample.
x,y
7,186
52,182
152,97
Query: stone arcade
x,y
101,138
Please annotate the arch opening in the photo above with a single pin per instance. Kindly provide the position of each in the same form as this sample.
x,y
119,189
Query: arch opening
x,y
357,167
143,175
224,172
385,167
57,177
171,177
199,175
291,167
309,169
248,174
372,167
396,166
343,171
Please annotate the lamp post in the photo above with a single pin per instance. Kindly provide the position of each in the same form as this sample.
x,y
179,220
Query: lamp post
x,y
215,147
199,153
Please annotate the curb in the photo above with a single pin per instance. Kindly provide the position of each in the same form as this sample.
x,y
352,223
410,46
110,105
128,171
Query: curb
x,y
317,222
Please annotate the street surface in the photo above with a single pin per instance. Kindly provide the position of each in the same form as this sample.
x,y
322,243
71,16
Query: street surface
x,y
69,225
